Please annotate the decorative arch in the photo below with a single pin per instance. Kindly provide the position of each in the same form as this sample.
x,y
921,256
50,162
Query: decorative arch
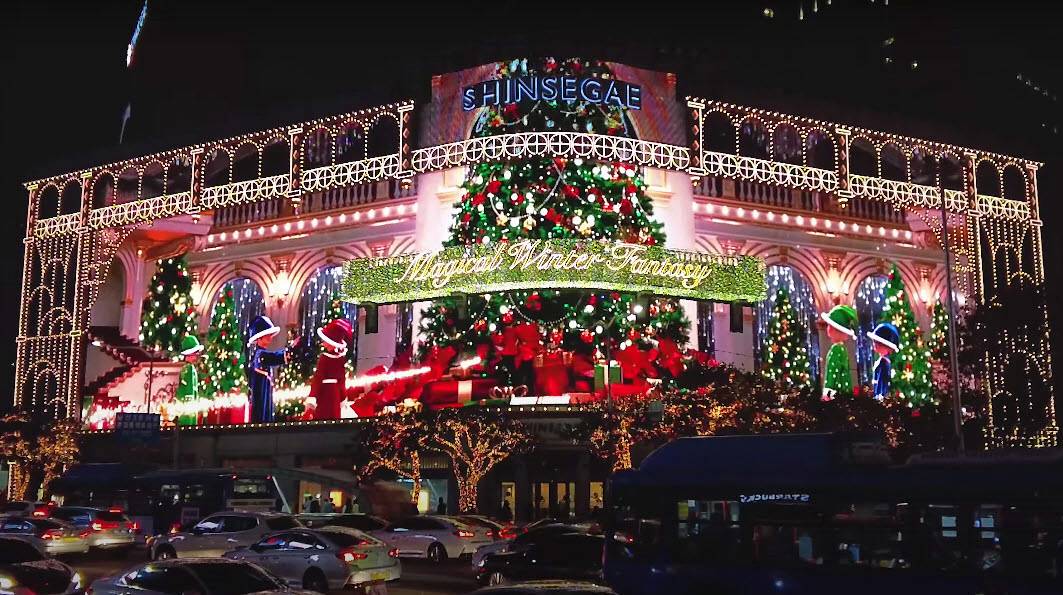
x,y
786,144
216,168
315,299
249,300
869,301
245,162
862,157
48,201
924,167
987,178
719,132
951,172
275,157
70,200
1013,182
351,142
317,148
819,149
753,138
154,180
802,296
179,175
103,190
383,136
128,185
893,165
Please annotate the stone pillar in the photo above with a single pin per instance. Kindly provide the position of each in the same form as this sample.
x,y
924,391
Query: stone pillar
x,y
841,165
697,137
582,500
196,188
295,171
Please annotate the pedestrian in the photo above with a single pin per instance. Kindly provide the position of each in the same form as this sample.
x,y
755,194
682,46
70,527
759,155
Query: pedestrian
x,y
315,505
348,506
328,506
565,508
506,514
441,508
307,501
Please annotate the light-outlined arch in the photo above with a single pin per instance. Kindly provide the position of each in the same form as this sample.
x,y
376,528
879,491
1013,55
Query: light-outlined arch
x,y
217,168
719,132
128,185
153,181
245,165
276,157
103,189
1013,182
70,199
892,163
786,144
753,138
820,151
317,148
987,178
383,136
47,202
179,175
863,157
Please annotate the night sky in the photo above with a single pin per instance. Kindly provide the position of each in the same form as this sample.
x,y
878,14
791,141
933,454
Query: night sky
x,y
949,72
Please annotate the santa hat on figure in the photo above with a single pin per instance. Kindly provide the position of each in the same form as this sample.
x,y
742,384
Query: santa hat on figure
x,y
337,335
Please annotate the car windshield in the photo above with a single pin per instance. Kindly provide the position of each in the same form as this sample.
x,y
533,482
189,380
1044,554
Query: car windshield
x,y
15,551
233,579
344,539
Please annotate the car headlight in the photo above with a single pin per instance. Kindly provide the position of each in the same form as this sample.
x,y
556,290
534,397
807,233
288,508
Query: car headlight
x,y
7,585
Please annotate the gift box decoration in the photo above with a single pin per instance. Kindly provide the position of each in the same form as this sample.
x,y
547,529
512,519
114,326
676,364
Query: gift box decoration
x,y
444,392
600,379
552,372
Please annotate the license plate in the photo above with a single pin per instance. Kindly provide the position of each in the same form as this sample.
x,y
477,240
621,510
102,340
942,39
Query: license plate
x,y
71,539
378,576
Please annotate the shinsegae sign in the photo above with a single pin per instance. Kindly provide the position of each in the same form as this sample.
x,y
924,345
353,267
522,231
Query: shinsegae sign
x,y
608,92
553,264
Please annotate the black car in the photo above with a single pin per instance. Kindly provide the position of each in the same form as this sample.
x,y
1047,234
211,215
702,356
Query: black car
x,y
568,556
24,569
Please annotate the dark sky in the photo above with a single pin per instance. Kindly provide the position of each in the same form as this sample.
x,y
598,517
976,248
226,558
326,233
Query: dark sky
x,y
204,71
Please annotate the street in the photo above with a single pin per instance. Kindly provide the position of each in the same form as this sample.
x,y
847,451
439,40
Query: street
x,y
419,577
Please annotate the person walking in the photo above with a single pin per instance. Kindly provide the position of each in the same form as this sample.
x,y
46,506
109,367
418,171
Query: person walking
x,y
315,505
441,508
506,514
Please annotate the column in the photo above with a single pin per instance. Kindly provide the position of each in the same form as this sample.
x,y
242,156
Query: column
x,y
295,171
522,489
841,165
697,142
196,188
405,168
582,500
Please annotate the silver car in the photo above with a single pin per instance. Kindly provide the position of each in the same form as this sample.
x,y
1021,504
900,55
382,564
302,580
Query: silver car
x,y
107,529
220,533
324,559
198,576
55,537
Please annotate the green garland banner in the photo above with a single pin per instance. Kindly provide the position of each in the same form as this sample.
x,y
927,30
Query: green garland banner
x,y
553,264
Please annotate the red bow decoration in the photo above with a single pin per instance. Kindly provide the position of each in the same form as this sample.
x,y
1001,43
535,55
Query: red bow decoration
x,y
635,364
669,357
439,359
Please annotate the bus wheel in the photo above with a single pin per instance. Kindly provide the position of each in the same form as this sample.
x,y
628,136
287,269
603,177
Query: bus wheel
x,y
313,580
165,553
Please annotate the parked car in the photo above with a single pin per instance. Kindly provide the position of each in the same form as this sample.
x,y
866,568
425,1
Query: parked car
x,y
493,528
361,522
433,537
572,556
537,534
324,559
27,569
107,529
219,533
196,576
546,588
24,508
55,537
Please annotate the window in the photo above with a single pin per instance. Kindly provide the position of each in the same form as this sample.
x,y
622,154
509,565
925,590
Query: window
x,y
116,517
303,541
419,524
76,516
346,539
211,524
707,530
252,489
282,522
233,524
16,551
171,579
362,522
15,526
233,579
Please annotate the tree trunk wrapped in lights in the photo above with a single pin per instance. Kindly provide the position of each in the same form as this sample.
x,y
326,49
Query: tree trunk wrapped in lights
x,y
784,354
543,198
38,449
168,314
475,440
911,363
394,441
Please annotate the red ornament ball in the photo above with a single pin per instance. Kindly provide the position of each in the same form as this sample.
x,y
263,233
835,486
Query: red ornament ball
x,y
586,336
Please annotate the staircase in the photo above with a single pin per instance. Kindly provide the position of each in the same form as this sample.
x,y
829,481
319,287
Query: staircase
x,y
121,348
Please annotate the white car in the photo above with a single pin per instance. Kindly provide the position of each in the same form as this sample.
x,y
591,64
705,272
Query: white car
x,y
197,576
433,537
220,533
329,558
53,536
109,530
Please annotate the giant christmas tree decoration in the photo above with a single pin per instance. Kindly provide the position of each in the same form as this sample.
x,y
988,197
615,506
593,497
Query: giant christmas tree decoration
x,y
168,314
784,354
910,364
545,198
223,362
939,333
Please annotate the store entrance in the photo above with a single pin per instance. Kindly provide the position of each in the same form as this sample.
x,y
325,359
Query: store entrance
x,y
554,499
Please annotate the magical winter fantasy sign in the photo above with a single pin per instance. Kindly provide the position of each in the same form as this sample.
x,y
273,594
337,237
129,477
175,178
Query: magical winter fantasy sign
x,y
608,92
553,264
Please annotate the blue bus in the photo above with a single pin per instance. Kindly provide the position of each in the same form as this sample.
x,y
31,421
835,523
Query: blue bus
x,y
824,513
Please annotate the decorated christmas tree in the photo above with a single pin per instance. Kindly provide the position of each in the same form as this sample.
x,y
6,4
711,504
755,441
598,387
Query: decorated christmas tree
x,y
939,333
223,362
547,198
167,314
911,363
784,354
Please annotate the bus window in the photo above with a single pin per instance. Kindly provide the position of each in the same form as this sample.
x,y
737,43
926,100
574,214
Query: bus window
x,y
707,531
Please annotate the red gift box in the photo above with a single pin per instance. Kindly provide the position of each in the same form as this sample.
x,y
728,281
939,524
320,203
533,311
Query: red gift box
x,y
551,372
446,392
